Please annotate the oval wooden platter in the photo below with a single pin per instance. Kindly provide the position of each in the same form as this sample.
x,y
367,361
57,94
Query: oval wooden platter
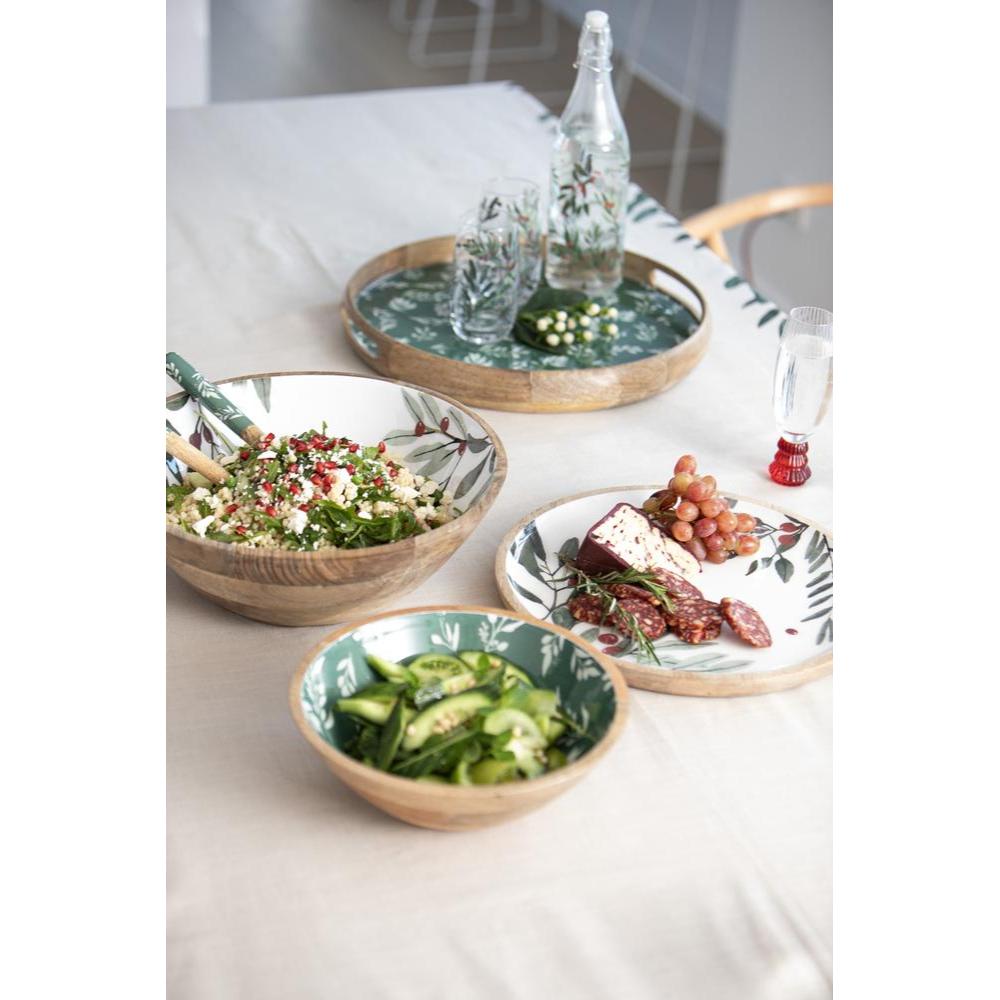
x,y
789,581
529,388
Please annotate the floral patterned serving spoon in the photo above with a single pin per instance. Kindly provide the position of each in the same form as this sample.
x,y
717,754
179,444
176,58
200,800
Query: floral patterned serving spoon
x,y
195,384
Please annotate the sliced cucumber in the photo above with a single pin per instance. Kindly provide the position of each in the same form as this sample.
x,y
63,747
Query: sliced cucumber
x,y
454,674
542,702
510,720
446,713
460,776
551,729
374,703
389,669
493,772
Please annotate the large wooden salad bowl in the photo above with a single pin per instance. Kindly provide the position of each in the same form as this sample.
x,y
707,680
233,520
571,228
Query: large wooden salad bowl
x,y
315,588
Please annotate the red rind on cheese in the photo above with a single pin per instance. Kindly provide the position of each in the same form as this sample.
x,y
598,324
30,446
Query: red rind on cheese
x,y
653,548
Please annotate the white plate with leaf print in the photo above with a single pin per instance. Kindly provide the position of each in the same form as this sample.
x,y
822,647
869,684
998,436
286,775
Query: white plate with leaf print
x,y
789,582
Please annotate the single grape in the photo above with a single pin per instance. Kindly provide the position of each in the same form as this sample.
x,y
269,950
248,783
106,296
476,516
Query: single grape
x,y
705,527
681,482
745,523
682,531
697,548
726,521
688,511
718,557
710,482
729,540
697,491
711,507
747,545
686,463
715,542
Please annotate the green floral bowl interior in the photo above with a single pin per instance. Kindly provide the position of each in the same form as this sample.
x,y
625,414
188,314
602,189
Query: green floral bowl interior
x,y
585,690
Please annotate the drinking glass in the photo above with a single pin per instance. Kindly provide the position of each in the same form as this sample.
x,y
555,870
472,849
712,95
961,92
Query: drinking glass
x,y
803,383
520,199
484,291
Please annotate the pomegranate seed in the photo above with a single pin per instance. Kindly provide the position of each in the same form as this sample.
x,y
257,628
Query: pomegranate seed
x,y
352,448
378,481
268,487
232,508
350,469
316,479
394,472
294,489
381,447
269,510
268,438
303,506
240,530
244,455
327,484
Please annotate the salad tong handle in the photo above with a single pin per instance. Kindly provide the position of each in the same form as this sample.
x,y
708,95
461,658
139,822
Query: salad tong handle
x,y
195,384
193,458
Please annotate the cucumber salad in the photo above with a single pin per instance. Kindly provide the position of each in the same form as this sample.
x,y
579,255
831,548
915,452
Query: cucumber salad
x,y
470,719
307,492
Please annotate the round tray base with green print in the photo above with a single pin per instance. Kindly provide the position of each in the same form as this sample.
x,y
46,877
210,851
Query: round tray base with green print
x,y
789,581
396,318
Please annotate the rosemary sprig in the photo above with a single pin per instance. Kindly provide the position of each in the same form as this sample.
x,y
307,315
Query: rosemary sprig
x,y
597,586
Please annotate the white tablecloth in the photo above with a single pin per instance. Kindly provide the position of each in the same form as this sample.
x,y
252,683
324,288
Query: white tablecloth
x,y
695,860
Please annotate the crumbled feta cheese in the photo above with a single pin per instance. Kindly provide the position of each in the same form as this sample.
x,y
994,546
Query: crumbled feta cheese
x,y
202,526
267,454
200,493
297,521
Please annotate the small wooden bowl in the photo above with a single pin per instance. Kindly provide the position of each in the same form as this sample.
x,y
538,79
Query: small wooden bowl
x,y
320,588
590,686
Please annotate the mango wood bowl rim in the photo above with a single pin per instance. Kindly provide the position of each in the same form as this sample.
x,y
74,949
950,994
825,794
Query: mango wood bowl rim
x,y
445,531
439,249
679,682
390,784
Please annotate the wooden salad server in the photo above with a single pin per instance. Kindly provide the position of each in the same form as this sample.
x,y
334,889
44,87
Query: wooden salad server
x,y
195,384
187,453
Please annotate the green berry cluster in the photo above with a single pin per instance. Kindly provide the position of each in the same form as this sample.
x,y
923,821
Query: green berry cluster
x,y
576,324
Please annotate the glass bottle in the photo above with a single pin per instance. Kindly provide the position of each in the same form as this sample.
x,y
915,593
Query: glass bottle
x,y
589,174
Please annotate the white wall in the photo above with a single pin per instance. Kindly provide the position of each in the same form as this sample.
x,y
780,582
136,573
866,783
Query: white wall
x,y
187,53
780,131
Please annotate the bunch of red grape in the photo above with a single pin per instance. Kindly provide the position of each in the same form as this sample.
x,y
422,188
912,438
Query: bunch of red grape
x,y
692,511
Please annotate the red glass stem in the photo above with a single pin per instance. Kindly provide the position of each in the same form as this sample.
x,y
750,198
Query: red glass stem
x,y
791,463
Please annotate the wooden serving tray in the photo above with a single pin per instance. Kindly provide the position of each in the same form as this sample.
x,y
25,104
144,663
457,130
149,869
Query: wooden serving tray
x,y
395,317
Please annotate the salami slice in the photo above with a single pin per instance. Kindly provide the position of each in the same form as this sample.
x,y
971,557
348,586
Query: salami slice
x,y
627,591
691,612
651,622
587,608
676,586
745,622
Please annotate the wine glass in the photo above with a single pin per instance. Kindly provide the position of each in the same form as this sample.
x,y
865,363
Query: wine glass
x,y
803,383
